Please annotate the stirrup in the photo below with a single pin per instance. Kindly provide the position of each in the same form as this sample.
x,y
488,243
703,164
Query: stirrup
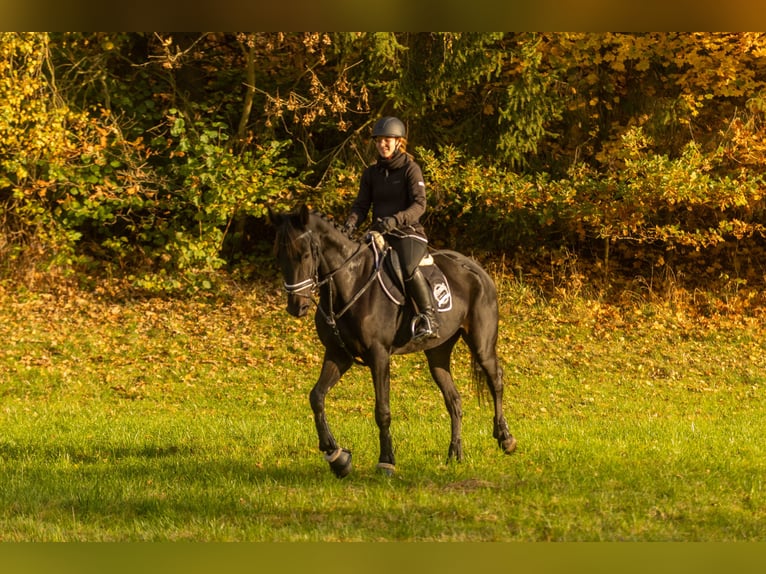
x,y
426,328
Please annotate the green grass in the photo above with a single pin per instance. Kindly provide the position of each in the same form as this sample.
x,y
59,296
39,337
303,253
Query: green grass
x,y
166,420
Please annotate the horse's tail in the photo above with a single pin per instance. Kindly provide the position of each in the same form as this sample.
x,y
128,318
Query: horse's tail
x,y
479,380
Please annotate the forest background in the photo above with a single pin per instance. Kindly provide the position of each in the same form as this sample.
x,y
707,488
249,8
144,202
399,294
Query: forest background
x,y
602,161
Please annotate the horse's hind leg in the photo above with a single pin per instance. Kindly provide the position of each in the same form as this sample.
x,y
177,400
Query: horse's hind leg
x,y
439,365
505,439
333,368
485,358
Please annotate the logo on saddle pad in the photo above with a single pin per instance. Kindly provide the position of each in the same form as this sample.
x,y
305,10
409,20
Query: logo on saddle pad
x,y
443,296
438,282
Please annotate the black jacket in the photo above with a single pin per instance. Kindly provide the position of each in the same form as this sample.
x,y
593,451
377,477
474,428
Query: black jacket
x,y
395,188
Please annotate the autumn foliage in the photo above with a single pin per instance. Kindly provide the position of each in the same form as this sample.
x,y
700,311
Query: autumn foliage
x,y
606,158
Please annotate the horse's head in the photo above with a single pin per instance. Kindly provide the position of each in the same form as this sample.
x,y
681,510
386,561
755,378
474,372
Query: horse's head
x,y
297,254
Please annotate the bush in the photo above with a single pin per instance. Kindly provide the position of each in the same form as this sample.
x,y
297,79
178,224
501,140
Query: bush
x,y
646,203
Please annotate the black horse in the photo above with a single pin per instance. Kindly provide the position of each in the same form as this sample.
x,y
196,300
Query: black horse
x,y
358,320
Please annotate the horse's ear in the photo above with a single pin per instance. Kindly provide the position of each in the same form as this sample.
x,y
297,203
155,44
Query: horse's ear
x,y
304,214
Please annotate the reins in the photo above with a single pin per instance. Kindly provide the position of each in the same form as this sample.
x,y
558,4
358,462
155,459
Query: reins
x,y
315,282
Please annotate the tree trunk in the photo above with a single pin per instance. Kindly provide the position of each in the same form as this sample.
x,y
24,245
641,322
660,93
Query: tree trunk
x,y
250,93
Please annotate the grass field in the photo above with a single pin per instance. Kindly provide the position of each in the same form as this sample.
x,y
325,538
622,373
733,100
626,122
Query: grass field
x,y
154,420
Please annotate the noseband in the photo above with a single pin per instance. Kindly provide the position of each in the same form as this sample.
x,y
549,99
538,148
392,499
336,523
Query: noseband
x,y
312,282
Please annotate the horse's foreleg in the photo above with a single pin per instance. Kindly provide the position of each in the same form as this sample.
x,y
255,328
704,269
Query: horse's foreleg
x,y
332,370
380,367
439,365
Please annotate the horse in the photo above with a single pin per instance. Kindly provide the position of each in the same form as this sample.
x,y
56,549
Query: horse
x,y
358,321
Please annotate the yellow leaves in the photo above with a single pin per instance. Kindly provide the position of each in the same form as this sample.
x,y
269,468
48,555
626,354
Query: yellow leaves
x,y
592,78
718,63
642,65
33,124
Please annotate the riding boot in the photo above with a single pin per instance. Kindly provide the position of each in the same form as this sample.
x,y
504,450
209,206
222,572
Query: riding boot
x,y
424,325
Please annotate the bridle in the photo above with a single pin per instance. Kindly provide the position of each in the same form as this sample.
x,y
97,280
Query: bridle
x,y
312,282
309,286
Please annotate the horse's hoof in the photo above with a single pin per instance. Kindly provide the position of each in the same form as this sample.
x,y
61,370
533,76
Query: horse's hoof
x,y
508,445
455,452
386,468
340,462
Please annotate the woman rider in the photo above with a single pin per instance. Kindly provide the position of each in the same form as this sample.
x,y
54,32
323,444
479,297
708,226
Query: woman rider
x,y
393,187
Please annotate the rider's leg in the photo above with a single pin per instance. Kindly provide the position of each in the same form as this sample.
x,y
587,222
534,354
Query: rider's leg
x,y
425,324
411,250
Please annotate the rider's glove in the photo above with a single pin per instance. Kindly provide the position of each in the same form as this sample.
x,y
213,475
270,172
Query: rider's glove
x,y
384,225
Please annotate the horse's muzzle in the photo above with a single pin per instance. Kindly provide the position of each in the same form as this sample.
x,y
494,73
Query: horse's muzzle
x,y
298,308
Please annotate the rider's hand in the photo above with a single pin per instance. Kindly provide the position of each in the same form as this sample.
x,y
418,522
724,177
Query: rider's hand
x,y
384,225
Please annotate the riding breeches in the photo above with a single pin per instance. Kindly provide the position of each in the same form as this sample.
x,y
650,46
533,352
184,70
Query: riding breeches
x,y
411,249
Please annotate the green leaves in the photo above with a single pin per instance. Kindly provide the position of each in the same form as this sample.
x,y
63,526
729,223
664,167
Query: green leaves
x,y
149,154
89,194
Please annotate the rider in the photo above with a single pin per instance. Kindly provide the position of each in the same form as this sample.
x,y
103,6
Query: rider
x,y
394,188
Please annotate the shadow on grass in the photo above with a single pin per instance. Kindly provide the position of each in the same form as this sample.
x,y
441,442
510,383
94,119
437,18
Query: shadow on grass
x,y
177,492
185,492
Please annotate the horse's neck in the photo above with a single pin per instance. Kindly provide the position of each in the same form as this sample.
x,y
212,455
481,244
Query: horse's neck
x,y
350,269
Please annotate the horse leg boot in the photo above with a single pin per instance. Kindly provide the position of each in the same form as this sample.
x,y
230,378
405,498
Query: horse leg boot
x,y
424,325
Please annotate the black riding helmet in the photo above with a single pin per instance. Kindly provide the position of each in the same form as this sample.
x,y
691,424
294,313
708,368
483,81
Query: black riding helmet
x,y
389,127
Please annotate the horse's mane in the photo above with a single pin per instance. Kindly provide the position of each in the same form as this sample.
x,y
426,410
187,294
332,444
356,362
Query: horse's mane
x,y
287,234
327,218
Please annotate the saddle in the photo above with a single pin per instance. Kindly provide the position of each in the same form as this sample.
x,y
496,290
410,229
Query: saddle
x,y
391,275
